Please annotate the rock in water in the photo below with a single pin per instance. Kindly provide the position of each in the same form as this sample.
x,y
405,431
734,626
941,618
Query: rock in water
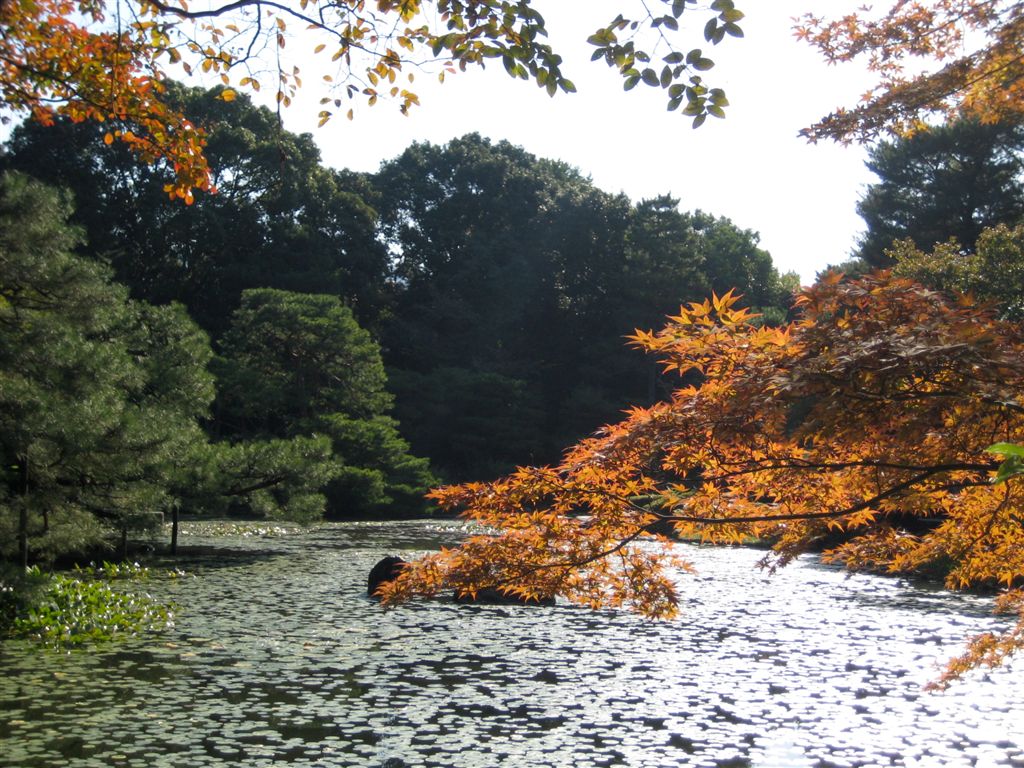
x,y
384,571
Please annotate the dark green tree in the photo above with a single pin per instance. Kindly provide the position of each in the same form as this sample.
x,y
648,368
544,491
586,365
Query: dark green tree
x,y
102,399
951,181
279,219
298,365
502,264
99,395
516,281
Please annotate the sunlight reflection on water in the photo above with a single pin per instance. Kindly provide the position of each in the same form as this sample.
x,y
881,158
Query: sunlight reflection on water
x,y
281,660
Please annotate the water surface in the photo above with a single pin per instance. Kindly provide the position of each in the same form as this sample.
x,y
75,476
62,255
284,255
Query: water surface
x,y
278,658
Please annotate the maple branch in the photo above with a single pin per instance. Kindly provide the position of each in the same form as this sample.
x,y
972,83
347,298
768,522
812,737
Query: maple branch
x,y
865,464
860,506
572,563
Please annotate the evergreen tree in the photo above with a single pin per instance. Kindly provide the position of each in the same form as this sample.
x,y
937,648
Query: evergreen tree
x,y
516,281
99,396
298,365
946,182
279,219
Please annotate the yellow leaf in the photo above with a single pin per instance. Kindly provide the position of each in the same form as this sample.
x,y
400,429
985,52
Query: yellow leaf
x,y
228,95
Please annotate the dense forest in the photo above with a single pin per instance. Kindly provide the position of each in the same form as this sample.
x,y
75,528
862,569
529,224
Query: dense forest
x,y
309,341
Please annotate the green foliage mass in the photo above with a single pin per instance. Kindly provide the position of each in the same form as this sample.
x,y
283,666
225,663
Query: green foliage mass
x,y
993,272
269,478
103,401
947,182
515,282
61,610
496,287
298,366
279,219
99,395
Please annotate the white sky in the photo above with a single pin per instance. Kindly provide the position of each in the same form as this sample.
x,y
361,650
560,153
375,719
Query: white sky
x,y
751,167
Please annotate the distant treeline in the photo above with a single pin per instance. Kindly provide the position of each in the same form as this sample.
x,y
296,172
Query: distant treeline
x,y
467,304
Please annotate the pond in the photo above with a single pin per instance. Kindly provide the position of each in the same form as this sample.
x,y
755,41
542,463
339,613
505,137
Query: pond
x,y
278,658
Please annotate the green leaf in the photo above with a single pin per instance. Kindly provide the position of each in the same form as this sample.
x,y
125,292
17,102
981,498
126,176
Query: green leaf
x,y
1012,467
602,37
703,65
1006,449
710,28
698,121
733,29
650,77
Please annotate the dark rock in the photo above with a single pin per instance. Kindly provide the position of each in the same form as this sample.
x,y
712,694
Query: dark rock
x,y
384,571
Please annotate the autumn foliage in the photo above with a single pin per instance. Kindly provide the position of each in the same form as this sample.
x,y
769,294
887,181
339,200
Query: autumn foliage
x,y
859,429
60,57
108,61
940,57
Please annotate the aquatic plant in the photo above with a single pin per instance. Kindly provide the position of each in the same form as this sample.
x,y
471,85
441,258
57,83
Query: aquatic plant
x,y
70,610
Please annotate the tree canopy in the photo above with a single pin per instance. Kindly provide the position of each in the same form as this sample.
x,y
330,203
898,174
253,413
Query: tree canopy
x,y
105,401
861,428
100,395
514,281
949,181
298,365
280,219
110,62
973,46
993,272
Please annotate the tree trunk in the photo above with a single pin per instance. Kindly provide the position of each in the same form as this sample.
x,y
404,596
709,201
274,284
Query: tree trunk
x,y
124,543
174,529
23,511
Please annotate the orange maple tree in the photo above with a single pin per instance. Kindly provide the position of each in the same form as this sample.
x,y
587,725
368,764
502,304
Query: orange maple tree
x,y
66,57
976,45
860,428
